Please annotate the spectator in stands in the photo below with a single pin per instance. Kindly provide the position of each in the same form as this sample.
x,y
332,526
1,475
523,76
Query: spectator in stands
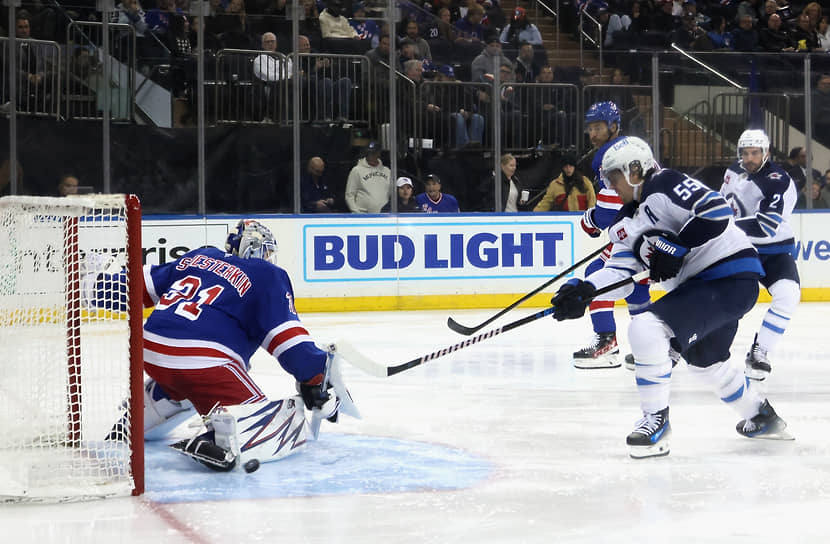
x,y
770,7
796,165
813,11
33,80
314,189
469,29
421,45
639,19
609,24
804,37
775,38
310,25
158,18
718,36
750,8
366,29
432,200
569,192
527,70
367,188
269,67
379,60
452,8
514,194
406,200
690,36
68,185
520,30
129,12
446,30
821,107
702,19
824,33
483,63
332,90
333,24
745,37
547,108
815,195
456,108
663,20
407,51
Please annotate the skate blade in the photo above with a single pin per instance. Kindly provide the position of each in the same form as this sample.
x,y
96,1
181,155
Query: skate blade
x,y
642,452
608,361
783,434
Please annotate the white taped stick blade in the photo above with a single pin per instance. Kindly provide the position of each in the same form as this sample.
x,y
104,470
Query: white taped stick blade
x,y
354,357
347,405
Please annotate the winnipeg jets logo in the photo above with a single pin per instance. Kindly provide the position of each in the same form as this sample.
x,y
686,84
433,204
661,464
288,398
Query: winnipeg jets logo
x,y
290,303
775,175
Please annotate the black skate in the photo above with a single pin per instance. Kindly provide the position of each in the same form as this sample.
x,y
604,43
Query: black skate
x,y
766,424
600,353
758,366
204,450
650,438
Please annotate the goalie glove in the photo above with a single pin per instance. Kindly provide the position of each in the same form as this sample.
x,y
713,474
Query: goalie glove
x,y
572,299
317,394
588,225
667,254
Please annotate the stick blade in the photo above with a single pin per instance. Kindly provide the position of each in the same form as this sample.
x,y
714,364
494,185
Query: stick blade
x,y
459,328
354,357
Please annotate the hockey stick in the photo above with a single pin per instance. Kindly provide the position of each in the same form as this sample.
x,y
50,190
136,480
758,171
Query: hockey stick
x,y
467,331
358,359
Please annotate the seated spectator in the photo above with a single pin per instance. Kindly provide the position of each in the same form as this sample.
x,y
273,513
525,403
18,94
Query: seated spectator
x,y
33,79
469,29
796,167
367,187
813,11
332,89
408,51
232,26
366,29
421,45
770,7
379,60
824,33
718,36
483,63
748,8
315,194
440,28
690,36
129,12
638,17
68,185
745,37
548,109
527,70
310,25
663,20
456,108
158,18
520,30
406,202
702,20
775,38
511,108
432,200
333,24
611,23
815,195
270,68
803,36
452,8
569,192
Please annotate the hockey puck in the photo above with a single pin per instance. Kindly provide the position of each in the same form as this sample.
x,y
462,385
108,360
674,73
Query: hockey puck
x,y
251,466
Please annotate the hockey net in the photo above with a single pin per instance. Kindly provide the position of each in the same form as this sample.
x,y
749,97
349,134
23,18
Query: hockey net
x,y
70,369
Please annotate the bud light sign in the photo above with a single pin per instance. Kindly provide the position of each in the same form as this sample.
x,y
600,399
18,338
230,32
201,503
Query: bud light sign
x,y
429,250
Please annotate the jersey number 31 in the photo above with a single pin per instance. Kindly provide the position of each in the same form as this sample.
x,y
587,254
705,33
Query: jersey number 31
x,y
182,294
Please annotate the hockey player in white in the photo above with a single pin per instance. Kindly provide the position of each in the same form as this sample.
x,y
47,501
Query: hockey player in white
x,y
684,234
762,197
213,310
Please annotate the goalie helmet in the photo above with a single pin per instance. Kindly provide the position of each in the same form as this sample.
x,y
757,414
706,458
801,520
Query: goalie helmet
x,y
626,154
604,111
754,138
252,240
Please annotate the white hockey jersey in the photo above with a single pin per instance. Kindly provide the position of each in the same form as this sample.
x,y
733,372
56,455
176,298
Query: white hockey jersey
x,y
672,201
762,203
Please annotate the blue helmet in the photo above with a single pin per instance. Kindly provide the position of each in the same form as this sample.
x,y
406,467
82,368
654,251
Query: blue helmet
x,y
604,111
252,240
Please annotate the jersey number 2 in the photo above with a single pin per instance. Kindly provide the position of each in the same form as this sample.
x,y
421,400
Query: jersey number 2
x,y
182,293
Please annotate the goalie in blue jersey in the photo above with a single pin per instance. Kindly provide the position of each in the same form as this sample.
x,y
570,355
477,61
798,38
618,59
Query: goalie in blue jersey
x,y
683,233
213,310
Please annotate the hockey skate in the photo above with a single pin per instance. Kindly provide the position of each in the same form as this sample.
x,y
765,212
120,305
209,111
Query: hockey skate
x,y
602,352
650,438
203,449
766,424
758,366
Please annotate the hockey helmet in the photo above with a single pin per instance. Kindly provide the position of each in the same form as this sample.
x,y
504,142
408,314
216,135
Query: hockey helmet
x,y
604,111
252,240
754,138
627,154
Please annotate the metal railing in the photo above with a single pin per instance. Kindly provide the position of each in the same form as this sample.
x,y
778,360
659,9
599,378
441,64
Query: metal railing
x,y
38,64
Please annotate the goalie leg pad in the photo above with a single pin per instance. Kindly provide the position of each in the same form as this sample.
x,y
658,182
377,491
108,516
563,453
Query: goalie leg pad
x,y
161,413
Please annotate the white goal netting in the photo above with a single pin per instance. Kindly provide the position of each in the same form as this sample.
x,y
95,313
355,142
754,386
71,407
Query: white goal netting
x,y
65,349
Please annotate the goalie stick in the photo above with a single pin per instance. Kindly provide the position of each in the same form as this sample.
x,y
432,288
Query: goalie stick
x,y
358,359
467,331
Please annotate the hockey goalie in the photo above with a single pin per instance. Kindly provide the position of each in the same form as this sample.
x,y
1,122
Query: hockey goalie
x,y
212,310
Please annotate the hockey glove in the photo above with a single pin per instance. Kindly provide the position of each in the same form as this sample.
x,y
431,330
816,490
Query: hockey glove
x,y
667,254
572,299
588,225
316,394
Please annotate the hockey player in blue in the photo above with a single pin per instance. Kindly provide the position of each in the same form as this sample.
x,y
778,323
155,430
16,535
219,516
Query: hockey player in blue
x,y
602,123
762,197
683,233
213,310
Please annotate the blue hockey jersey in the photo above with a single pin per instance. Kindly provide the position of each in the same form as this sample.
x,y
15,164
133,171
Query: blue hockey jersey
x,y
212,307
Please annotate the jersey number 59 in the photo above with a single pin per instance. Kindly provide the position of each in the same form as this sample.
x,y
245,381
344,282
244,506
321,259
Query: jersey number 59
x,y
182,294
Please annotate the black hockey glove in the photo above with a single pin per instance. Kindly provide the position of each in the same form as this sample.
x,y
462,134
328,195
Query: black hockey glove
x,y
572,299
316,395
667,254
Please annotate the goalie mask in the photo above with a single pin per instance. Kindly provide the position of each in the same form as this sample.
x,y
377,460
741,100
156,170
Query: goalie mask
x,y
753,138
252,240
626,155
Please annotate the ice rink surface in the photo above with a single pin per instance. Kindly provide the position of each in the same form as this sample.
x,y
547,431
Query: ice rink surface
x,y
501,442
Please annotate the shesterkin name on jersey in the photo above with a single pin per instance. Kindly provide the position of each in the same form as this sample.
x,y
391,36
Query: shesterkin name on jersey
x,y
233,275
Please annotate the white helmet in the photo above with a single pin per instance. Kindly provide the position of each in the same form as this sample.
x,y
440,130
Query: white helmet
x,y
754,138
627,152
252,240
